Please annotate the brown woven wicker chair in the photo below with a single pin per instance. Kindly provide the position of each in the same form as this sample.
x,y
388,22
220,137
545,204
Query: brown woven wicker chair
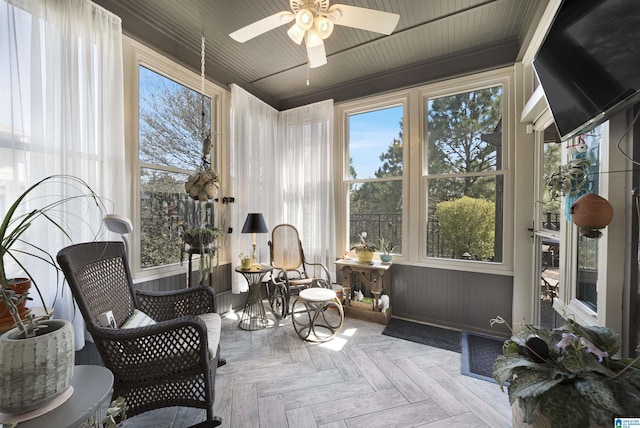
x,y
291,270
160,365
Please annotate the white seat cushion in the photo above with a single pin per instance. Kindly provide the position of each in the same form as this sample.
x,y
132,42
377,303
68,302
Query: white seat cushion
x,y
214,327
317,295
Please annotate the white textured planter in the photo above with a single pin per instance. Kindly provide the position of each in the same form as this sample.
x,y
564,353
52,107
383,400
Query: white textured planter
x,y
36,370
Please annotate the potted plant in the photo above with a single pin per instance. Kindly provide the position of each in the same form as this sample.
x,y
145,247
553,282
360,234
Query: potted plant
x,y
203,184
570,179
36,357
363,249
568,377
245,261
387,248
200,240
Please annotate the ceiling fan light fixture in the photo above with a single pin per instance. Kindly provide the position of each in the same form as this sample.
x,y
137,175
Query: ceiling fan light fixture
x,y
296,33
323,25
304,19
314,39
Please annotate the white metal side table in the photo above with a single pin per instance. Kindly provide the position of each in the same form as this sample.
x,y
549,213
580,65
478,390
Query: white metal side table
x,y
253,315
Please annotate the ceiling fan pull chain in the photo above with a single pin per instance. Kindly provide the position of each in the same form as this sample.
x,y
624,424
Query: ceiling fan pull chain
x,y
307,73
206,139
202,66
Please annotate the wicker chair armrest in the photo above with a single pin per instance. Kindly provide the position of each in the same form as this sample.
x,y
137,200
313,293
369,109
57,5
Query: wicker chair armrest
x,y
168,305
164,349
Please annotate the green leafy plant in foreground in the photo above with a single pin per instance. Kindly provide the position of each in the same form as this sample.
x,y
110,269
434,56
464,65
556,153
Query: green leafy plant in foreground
x,y
569,374
27,209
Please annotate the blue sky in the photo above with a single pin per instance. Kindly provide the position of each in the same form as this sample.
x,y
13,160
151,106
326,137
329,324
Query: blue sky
x,y
370,135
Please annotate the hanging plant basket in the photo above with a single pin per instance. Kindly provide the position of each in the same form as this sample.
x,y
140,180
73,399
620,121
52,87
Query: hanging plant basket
x,y
570,179
200,237
591,213
202,185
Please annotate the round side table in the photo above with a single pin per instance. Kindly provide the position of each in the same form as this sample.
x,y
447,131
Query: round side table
x,y
91,389
253,315
317,314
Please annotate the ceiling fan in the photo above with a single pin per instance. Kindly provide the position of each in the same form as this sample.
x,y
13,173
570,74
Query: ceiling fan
x,y
314,21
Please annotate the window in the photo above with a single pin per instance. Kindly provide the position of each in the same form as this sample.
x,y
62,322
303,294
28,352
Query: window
x,y
412,157
587,248
547,226
464,178
173,123
375,174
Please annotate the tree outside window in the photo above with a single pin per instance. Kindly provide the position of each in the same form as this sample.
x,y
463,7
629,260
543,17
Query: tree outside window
x,y
173,121
464,178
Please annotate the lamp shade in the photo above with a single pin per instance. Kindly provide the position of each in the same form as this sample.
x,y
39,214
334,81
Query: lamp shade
x,y
254,224
304,19
324,26
296,33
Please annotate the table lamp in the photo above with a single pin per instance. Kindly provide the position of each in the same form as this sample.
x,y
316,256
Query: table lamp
x,y
254,224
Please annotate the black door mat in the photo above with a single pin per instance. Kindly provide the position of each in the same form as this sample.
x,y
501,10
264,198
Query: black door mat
x,y
479,352
425,334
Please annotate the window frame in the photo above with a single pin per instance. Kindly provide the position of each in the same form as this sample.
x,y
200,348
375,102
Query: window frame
x,y
503,78
343,112
136,55
611,267
414,183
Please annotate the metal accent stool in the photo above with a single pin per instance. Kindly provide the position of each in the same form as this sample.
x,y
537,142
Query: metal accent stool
x,y
317,314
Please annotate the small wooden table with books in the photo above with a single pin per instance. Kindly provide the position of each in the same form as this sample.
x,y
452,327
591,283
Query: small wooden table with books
x,y
373,280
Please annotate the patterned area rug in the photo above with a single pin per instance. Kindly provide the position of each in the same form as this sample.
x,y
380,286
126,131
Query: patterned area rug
x,y
479,352
425,334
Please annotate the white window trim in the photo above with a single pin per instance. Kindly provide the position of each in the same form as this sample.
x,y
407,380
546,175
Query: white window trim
x,y
504,78
611,266
414,184
136,54
341,134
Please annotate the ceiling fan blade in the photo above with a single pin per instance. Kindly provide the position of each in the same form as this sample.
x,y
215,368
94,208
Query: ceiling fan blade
x,y
362,18
262,26
316,55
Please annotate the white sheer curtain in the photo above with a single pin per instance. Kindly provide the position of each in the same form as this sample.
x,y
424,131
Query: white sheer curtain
x,y
62,113
305,139
281,166
253,173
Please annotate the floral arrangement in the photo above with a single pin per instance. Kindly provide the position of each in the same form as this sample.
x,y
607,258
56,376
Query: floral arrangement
x,y
569,374
363,245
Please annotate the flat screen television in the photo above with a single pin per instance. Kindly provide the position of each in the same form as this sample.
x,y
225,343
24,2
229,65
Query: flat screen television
x,y
589,63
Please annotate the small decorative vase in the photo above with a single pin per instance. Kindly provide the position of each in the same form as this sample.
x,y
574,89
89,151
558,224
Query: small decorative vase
x,y
35,370
365,256
386,258
245,263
